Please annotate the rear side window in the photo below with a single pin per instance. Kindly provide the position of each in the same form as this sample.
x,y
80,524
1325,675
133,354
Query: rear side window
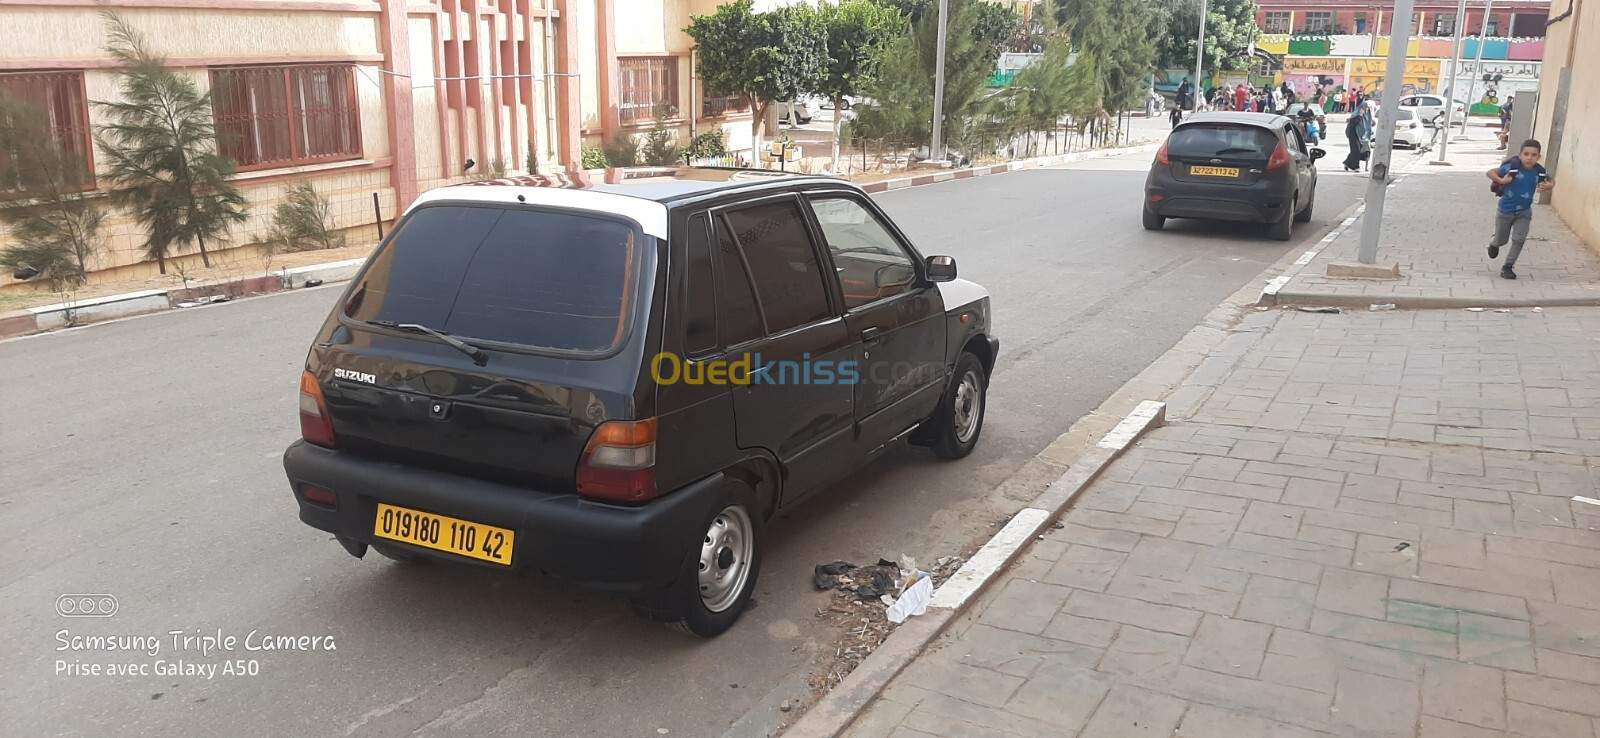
x,y
777,248
700,317
539,279
1221,140
739,318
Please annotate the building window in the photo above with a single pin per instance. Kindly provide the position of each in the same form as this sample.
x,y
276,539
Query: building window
x,y
645,83
60,99
269,117
1320,21
1361,22
1494,26
1444,24
1278,21
715,107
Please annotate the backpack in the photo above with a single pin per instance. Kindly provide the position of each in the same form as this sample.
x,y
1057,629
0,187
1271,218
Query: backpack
x,y
1497,188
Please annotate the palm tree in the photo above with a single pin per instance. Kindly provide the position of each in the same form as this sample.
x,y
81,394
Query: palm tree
x,y
159,151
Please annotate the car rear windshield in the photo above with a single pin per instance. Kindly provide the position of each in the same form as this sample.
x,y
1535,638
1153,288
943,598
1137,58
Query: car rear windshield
x,y
1211,140
1404,115
534,278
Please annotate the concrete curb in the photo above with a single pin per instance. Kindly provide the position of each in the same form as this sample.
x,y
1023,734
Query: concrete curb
x,y
110,307
1020,164
838,709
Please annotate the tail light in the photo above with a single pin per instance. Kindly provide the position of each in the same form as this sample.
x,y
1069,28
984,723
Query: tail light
x,y
1161,154
315,425
319,496
619,464
1280,157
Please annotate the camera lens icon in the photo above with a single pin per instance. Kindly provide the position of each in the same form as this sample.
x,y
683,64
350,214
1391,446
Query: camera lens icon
x,y
86,605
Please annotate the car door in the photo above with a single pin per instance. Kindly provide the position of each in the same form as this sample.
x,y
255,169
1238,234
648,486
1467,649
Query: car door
x,y
1304,165
778,314
895,317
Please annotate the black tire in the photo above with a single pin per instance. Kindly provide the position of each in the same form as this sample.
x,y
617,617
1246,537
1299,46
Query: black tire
x,y
1281,230
682,606
400,555
1153,222
844,104
953,434
1304,216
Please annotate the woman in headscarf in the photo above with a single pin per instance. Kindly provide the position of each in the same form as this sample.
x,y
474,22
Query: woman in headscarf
x,y
1358,132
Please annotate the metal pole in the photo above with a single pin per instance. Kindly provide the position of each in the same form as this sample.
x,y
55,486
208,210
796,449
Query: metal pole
x,y
1455,64
1477,69
1377,20
936,146
1200,51
1383,148
377,215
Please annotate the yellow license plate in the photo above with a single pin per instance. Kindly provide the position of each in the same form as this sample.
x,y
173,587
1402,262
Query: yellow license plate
x,y
479,541
1214,171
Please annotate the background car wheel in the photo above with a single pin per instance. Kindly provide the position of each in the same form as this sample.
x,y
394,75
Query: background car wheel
x,y
400,555
844,104
717,582
1304,216
1153,222
958,422
1281,230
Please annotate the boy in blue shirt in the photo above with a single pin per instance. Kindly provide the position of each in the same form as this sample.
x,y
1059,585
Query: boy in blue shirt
x,y
1518,179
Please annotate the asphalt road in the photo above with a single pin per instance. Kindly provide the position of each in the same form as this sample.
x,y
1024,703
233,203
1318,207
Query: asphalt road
x,y
141,459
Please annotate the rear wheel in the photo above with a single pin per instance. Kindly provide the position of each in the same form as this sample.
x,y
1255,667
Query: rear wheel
x,y
1153,222
717,582
1281,230
1304,216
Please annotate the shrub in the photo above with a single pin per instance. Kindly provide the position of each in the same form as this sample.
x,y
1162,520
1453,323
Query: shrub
x,y
302,222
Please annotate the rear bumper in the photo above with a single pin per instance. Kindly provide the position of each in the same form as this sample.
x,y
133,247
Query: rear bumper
x,y
624,549
1259,203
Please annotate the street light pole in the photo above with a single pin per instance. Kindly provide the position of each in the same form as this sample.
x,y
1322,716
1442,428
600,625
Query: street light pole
x,y
1200,51
936,146
1383,148
1455,64
1477,68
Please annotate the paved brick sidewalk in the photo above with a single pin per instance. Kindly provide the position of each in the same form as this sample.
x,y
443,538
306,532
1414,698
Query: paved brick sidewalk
x,y
1363,526
1436,227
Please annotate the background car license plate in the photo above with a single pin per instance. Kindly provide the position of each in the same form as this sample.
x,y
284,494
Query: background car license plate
x,y
1214,171
479,541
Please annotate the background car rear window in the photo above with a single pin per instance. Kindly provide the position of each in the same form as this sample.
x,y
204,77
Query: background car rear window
x,y
1221,140
539,279
778,249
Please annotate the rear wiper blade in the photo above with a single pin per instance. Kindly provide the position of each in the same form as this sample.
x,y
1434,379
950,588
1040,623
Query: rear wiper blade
x,y
478,356
1235,150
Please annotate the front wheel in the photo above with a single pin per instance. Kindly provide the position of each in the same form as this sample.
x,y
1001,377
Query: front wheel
x,y
844,104
958,422
717,582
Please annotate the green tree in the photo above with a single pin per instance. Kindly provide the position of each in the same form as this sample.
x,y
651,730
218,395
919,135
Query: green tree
x,y
997,26
761,57
1230,28
1121,36
857,32
1055,85
302,222
56,229
159,151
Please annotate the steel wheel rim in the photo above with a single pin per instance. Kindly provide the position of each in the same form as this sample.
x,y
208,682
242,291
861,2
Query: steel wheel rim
x,y
726,551
968,407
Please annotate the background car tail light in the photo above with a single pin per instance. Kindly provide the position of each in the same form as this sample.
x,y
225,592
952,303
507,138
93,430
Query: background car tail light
x,y
619,464
315,425
319,496
1280,157
1161,154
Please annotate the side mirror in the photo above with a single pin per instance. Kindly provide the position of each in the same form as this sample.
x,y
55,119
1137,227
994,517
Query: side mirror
x,y
1318,154
941,268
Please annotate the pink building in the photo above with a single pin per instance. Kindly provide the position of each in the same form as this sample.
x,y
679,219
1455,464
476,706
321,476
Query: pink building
x,y
1512,18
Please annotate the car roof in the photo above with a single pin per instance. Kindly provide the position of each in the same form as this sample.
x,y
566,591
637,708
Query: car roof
x,y
642,194
1264,120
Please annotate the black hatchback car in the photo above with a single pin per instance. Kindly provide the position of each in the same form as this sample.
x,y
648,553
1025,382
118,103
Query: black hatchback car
x,y
618,382
1250,167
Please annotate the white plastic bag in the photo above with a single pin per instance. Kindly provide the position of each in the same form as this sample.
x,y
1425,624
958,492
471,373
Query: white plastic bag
x,y
914,601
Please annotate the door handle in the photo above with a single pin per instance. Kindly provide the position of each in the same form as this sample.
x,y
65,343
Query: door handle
x,y
871,335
